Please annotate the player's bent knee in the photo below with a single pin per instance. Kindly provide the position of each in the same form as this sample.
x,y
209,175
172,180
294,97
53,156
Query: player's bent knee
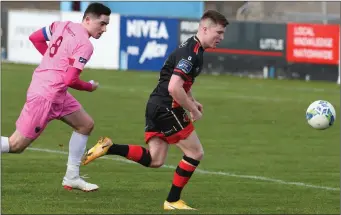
x,y
197,155
90,126
200,155
158,150
17,145
156,164
87,128
16,148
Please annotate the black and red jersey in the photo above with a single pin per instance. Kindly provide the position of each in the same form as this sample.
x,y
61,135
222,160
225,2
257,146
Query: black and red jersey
x,y
185,61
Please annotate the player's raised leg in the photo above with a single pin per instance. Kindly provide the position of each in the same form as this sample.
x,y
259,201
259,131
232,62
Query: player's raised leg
x,y
32,121
16,143
82,123
193,151
154,157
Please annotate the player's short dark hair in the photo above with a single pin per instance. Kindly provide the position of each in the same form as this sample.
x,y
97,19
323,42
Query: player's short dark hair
x,y
216,17
97,9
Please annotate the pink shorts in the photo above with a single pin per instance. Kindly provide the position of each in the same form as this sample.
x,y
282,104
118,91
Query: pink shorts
x,y
38,112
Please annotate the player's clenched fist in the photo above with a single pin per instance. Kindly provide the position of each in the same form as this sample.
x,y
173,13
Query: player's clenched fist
x,y
196,115
199,106
95,85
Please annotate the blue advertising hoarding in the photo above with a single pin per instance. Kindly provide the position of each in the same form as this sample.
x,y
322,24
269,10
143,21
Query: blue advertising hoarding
x,y
146,42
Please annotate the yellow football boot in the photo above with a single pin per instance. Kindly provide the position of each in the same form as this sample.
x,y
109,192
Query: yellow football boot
x,y
178,205
98,150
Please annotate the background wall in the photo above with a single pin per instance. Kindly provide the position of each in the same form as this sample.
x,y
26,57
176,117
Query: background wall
x,y
169,9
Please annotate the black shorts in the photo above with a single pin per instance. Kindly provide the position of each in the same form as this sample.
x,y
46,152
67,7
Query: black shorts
x,y
170,124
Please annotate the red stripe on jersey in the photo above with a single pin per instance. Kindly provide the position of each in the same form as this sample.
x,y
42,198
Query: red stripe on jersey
x,y
175,104
180,71
196,47
187,86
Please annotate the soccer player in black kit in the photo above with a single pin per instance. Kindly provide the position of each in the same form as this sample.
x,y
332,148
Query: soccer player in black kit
x,y
166,119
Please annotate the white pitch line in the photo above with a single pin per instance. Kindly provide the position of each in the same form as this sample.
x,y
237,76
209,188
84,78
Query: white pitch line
x,y
253,177
225,96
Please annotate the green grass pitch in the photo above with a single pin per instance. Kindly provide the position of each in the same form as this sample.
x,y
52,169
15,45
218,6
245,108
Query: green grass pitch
x,y
261,156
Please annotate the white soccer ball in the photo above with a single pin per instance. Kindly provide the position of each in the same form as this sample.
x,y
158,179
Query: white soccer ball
x,y
320,114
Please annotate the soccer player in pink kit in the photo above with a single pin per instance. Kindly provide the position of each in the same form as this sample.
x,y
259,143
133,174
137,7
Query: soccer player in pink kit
x,y
47,98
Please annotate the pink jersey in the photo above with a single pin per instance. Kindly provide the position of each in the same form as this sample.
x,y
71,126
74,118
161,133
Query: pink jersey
x,y
69,46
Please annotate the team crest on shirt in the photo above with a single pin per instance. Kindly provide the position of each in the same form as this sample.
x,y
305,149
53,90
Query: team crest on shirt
x,y
184,65
82,60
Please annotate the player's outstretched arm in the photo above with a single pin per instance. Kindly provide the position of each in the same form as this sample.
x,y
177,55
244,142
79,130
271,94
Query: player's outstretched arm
x,y
39,38
72,80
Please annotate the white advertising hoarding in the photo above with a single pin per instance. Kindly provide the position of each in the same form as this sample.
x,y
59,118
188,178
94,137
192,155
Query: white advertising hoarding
x,y
106,48
20,25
